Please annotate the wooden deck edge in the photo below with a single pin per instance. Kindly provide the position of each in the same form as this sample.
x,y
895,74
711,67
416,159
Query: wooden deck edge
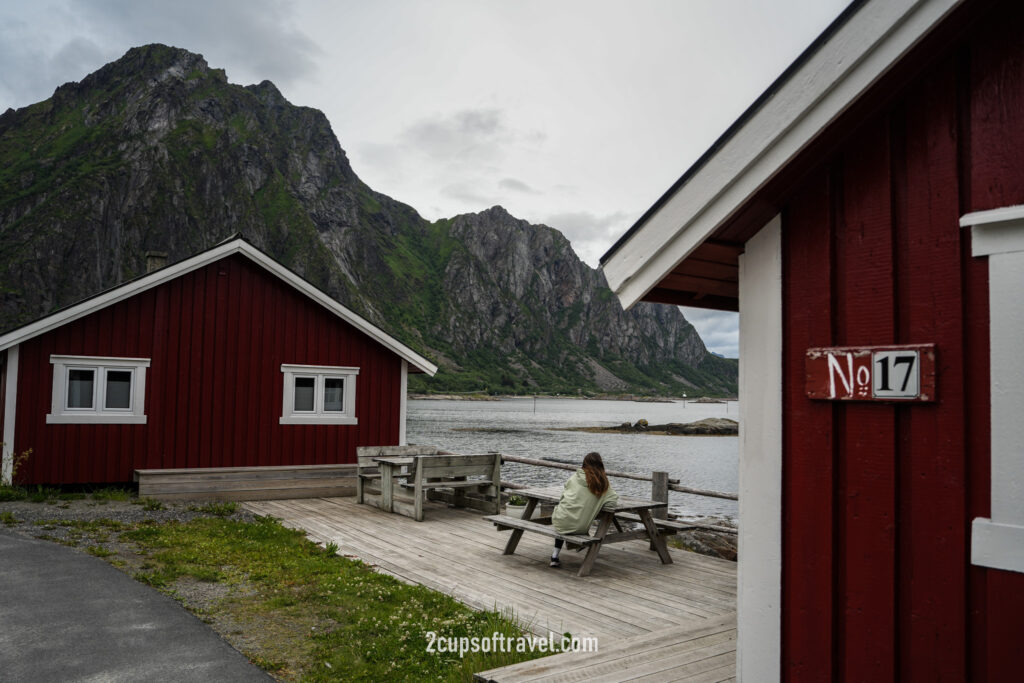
x,y
575,665
253,468
272,494
248,483
147,485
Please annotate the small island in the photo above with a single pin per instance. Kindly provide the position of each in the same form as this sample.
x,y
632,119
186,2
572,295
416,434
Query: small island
x,y
712,426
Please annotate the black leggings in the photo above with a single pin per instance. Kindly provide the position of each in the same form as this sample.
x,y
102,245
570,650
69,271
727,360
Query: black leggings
x,y
558,542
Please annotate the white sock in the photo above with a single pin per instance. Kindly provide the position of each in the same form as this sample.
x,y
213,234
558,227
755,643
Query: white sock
x,y
554,553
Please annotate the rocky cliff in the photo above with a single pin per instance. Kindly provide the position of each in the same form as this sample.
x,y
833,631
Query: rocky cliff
x,y
157,151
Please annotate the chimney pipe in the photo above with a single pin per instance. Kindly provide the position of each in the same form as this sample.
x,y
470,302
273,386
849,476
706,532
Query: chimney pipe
x,y
155,260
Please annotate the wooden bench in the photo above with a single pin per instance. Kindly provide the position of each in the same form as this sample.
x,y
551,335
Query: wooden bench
x,y
670,526
472,481
368,484
541,526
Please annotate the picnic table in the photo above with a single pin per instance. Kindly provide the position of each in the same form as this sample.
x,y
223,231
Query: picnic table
x,y
463,480
390,467
607,518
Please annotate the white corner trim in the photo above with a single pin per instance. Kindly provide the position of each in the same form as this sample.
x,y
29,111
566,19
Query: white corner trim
x,y
403,406
843,69
10,415
998,231
759,579
237,246
997,546
999,235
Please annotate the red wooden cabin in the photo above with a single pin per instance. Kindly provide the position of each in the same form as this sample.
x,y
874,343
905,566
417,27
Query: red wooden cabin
x,y
874,196
224,359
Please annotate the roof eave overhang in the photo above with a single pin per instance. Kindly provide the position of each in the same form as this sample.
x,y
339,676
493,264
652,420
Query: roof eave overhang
x,y
795,111
416,362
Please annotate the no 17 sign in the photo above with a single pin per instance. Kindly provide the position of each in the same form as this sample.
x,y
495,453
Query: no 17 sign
x,y
872,373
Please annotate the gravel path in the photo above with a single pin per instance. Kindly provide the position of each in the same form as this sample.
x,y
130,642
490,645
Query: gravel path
x,y
43,520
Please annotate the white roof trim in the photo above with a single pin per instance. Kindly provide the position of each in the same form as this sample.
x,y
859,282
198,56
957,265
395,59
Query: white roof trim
x,y
235,246
852,60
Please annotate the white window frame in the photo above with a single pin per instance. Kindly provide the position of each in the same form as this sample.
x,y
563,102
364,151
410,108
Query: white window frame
x,y
100,366
997,542
320,373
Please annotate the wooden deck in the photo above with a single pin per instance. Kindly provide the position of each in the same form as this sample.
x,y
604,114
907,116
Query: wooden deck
x,y
630,598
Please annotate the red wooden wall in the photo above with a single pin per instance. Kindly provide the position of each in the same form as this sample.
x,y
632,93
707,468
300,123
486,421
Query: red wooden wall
x,y
878,499
217,338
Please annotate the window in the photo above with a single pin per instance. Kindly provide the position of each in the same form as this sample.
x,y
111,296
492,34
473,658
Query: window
x,y
319,394
87,389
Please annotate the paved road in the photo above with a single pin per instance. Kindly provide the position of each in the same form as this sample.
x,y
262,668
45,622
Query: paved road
x,y
68,616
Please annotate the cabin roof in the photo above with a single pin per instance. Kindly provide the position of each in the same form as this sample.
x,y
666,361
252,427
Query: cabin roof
x,y
680,251
233,245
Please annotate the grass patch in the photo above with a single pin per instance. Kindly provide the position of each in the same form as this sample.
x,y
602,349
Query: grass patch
x,y
8,493
8,518
318,616
109,494
218,508
43,495
99,551
148,504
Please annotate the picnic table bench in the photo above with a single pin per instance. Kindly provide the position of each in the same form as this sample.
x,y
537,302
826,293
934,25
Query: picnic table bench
x,y
463,480
541,526
369,476
608,516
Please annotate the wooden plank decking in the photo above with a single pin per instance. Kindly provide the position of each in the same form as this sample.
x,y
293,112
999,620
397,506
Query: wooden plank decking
x,y
680,653
629,597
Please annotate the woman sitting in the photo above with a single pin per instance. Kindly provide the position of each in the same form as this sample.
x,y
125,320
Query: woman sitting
x,y
586,492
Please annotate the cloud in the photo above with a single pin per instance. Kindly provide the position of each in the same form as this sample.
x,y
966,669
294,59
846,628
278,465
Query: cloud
x,y
455,162
470,193
469,135
257,35
516,186
589,233
42,46
720,330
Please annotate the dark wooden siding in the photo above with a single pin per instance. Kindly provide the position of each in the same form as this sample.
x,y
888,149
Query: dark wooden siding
x,y
217,338
878,499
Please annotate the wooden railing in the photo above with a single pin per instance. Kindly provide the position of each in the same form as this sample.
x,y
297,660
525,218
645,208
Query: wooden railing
x,y
661,484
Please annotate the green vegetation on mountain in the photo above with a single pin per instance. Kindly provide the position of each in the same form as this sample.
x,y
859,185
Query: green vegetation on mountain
x,y
157,151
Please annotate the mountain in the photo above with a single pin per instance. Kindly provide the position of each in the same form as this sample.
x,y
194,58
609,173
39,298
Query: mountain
x,y
157,151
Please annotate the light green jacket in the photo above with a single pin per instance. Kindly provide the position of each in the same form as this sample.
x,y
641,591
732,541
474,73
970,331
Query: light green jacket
x,y
578,507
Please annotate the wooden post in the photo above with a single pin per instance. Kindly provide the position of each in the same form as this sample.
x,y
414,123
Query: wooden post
x,y
659,492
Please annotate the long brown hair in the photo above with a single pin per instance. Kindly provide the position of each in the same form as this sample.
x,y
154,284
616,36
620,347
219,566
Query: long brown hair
x,y
597,480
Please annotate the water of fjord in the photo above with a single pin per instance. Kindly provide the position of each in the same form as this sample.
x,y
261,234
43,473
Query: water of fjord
x,y
535,428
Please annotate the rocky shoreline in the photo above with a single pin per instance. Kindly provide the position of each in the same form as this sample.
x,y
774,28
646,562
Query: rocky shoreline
x,y
710,542
712,426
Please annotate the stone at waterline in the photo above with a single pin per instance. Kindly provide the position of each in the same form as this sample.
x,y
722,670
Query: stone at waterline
x,y
712,426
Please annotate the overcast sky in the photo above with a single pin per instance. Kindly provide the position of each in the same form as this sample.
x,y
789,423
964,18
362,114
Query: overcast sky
x,y
577,114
